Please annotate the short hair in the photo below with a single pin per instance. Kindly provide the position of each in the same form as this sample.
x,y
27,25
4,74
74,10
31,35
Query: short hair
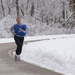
x,y
18,18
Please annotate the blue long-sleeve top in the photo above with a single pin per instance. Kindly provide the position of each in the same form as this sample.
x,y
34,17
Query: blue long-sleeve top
x,y
16,29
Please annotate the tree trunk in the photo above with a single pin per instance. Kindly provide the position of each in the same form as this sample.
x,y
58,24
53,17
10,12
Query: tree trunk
x,y
2,8
27,4
9,10
17,8
63,12
32,10
47,20
21,10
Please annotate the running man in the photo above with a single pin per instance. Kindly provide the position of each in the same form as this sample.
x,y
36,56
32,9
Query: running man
x,y
19,31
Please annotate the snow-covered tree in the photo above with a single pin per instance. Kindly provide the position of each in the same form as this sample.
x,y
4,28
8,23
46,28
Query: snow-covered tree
x,y
41,16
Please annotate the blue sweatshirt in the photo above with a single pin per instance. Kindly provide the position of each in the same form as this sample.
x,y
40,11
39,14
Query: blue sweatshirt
x,y
15,29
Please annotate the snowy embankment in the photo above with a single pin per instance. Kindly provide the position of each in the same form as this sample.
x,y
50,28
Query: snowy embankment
x,y
57,54
36,38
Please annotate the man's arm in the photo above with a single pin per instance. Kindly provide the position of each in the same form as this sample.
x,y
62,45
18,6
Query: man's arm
x,y
12,30
24,31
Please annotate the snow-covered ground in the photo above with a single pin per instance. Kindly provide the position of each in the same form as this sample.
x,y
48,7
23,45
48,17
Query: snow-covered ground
x,y
44,37
56,53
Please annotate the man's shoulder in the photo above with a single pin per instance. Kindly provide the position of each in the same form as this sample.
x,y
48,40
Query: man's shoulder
x,y
24,25
15,25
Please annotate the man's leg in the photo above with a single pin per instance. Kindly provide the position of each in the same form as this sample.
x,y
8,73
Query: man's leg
x,y
19,43
19,47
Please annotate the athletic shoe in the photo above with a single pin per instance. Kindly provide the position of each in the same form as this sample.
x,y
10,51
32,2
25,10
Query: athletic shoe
x,y
18,58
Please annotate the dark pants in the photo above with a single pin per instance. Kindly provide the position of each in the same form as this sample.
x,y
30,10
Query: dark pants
x,y
19,43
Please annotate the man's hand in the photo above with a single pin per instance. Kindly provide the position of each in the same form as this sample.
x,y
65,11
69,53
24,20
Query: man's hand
x,y
20,29
14,33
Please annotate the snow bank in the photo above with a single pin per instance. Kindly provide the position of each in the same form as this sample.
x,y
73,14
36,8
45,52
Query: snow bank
x,y
57,54
37,38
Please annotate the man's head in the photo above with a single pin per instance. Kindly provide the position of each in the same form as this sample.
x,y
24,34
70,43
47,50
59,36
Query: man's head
x,y
18,20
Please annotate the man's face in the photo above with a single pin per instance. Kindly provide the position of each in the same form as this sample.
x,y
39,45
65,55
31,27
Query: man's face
x,y
18,20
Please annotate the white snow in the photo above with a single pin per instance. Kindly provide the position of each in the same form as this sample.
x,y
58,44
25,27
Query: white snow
x,y
55,51
33,38
50,10
34,29
5,25
6,40
56,54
